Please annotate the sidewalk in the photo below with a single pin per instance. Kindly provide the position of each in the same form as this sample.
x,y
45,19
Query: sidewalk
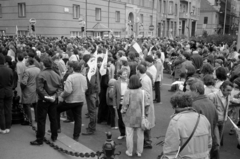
x,y
16,145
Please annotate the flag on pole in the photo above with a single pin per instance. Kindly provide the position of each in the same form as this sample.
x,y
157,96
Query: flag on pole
x,y
92,63
16,30
150,50
138,49
234,125
103,69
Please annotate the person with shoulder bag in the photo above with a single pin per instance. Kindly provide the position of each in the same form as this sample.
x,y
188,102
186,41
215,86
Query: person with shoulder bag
x,y
134,108
189,133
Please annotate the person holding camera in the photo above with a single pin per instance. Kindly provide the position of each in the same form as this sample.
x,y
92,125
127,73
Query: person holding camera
x,y
48,88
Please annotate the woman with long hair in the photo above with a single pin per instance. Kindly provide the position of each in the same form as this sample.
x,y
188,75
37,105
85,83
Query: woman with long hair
x,y
133,102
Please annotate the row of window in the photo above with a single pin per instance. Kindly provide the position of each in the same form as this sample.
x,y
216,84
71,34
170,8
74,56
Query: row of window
x,y
143,3
21,10
98,15
76,12
78,33
142,18
162,7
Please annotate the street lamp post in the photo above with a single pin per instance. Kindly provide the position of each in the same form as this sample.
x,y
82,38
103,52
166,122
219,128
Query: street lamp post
x,y
225,16
108,18
189,24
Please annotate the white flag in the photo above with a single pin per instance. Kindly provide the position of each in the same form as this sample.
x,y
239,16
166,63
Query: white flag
x,y
92,63
150,51
16,30
103,69
137,47
234,125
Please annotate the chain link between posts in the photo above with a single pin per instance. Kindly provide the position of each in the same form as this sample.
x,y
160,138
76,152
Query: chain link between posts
x,y
56,147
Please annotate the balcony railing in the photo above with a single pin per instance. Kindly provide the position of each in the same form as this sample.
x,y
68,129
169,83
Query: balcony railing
x,y
183,15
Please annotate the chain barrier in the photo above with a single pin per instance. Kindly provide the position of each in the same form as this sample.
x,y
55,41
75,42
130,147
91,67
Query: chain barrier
x,y
98,154
160,143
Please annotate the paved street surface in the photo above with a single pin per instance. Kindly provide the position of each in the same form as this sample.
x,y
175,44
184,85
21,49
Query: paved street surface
x,y
16,144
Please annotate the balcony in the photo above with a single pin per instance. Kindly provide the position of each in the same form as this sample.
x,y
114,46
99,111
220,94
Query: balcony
x,y
171,16
183,15
162,15
194,17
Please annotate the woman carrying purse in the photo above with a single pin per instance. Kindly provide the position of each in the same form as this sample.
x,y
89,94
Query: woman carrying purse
x,y
132,114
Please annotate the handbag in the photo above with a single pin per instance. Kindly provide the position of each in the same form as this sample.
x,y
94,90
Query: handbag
x,y
145,125
185,144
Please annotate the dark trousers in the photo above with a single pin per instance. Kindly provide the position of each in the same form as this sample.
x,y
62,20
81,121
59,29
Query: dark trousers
x,y
45,108
27,110
121,125
76,109
221,129
92,111
70,115
147,137
214,153
102,107
34,105
157,92
111,116
5,113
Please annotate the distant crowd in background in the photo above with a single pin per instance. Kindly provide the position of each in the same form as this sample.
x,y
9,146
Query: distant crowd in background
x,y
119,80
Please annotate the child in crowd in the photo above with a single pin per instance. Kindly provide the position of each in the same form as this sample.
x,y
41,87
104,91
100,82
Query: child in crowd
x,y
109,98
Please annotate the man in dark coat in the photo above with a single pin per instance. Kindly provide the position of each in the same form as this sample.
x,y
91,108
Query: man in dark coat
x,y
6,94
48,88
205,106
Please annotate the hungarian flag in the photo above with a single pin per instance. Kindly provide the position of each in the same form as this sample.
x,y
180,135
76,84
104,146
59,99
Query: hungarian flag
x,y
92,63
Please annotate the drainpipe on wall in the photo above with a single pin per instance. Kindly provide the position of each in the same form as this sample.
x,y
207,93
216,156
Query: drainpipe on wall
x,y
86,20
225,16
108,19
126,20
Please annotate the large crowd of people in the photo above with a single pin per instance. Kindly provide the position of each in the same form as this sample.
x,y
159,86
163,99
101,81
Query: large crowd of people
x,y
119,83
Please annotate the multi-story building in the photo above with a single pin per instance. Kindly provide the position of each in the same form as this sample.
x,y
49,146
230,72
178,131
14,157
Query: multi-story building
x,y
168,11
209,19
189,16
234,17
79,17
219,16
178,17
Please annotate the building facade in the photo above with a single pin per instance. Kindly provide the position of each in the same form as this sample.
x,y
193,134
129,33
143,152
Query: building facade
x,y
219,17
177,17
121,18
